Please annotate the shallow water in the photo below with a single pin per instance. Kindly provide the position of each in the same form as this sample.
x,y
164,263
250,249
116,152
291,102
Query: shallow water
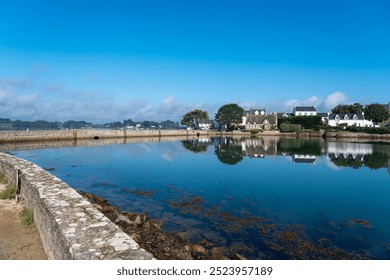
x,y
264,198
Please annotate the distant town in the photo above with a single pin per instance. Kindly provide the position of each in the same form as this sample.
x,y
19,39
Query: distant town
x,y
7,124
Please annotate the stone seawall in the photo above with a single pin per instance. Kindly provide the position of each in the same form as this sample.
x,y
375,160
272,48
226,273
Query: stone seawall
x,y
83,134
70,227
90,134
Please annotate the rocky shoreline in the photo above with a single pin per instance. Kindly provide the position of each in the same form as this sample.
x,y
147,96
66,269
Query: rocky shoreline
x,y
163,245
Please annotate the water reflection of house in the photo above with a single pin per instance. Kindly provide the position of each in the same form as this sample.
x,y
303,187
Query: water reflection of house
x,y
344,148
348,154
259,147
355,157
303,158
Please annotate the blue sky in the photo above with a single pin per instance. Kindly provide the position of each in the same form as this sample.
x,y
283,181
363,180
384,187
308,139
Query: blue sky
x,y
112,60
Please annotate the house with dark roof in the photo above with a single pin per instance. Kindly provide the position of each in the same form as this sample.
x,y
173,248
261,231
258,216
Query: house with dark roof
x,y
265,121
205,124
324,117
247,113
259,147
304,111
357,119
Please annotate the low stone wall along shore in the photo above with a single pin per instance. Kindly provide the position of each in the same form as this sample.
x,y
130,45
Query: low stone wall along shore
x,y
70,227
82,134
96,134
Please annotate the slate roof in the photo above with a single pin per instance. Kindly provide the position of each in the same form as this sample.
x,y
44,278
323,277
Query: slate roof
x,y
298,159
304,160
205,122
305,109
359,116
252,111
324,115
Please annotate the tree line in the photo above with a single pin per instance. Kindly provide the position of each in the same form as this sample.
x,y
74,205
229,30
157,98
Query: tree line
x,y
375,112
7,124
229,115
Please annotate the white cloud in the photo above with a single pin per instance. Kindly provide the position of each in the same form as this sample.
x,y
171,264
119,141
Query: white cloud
x,y
168,101
322,105
334,99
27,100
250,105
311,101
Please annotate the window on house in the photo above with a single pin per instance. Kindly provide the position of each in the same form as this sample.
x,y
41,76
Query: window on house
x,y
346,117
355,117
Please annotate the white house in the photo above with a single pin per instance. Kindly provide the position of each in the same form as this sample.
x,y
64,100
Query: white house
x,y
305,111
346,149
349,120
205,124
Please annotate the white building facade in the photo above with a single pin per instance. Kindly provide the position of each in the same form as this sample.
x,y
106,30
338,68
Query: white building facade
x,y
349,120
305,111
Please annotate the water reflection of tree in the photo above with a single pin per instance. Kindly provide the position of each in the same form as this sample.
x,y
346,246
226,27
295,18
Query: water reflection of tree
x,y
195,145
376,160
299,146
229,153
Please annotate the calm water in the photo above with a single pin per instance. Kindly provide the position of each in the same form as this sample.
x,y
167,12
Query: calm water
x,y
263,198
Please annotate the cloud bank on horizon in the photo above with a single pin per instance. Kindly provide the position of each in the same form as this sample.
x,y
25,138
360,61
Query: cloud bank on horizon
x,y
25,100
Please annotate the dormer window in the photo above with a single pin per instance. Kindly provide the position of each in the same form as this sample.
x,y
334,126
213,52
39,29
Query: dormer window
x,y
346,117
355,117
337,117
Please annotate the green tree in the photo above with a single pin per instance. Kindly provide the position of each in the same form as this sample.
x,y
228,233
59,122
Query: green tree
x,y
307,122
229,115
195,146
229,153
348,108
376,160
376,112
71,124
194,114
